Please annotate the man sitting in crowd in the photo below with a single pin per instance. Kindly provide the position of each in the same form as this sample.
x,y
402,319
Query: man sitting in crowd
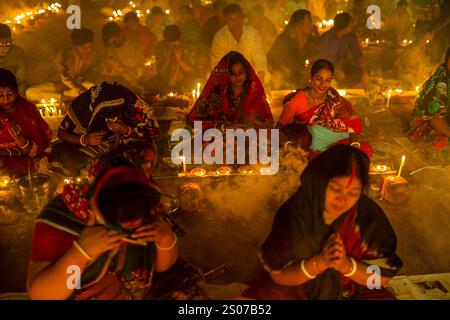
x,y
12,57
214,24
76,66
235,36
399,22
293,52
134,30
175,63
157,20
336,45
125,61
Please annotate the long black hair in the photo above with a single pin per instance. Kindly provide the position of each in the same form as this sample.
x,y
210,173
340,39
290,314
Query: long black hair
x,y
322,64
7,79
237,57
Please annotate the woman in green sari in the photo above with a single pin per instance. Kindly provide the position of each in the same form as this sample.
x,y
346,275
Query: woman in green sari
x,y
431,126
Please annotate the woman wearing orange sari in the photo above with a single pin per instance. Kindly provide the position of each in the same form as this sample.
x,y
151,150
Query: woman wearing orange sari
x,y
317,117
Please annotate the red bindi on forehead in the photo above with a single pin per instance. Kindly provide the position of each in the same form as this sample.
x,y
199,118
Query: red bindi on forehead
x,y
352,176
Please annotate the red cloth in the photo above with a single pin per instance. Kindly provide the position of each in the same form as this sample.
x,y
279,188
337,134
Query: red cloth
x,y
49,244
27,117
145,35
213,103
335,114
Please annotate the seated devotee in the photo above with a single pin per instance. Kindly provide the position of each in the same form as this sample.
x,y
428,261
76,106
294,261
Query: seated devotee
x,y
111,225
77,69
263,25
324,238
189,26
441,40
317,117
278,13
157,20
407,68
286,59
24,135
125,61
336,44
202,12
232,97
214,24
431,126
359,13
235,36
134,30
106,118
175,64
12,57
399,21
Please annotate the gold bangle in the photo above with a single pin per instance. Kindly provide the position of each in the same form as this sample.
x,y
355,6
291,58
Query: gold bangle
x,y
302,265
83,252
355,144
169,247
352,271
82,142
26,145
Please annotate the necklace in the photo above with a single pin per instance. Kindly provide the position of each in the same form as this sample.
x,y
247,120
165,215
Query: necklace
x,y
315,100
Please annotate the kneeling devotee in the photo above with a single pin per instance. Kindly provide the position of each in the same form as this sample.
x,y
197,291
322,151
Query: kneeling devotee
x,y
317,117
24,135
233,96
112,226
329,239
108,117
431,126
77,70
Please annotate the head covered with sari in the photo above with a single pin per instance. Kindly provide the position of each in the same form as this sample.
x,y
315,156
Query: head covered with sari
x,y
22,114
109,100
299,230
110,179
216,104
114,192
433,103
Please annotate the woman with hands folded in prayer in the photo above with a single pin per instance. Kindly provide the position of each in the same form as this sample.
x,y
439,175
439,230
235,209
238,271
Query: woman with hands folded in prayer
x,y
327,234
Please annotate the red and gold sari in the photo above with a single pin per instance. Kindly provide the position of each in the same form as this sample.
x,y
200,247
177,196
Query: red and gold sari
x,y
336,115
299,232
215,105
26,116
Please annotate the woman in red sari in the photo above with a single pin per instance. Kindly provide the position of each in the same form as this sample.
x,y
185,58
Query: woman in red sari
x,y
325,237
112,226
317,117
24,135
232,96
